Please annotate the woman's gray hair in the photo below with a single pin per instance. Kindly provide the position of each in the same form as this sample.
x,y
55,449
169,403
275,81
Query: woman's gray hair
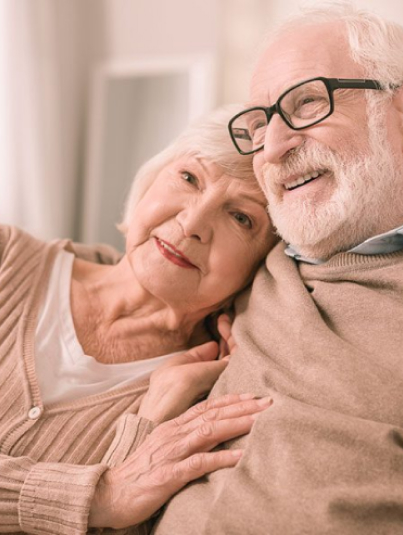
x,y
375,43
207,138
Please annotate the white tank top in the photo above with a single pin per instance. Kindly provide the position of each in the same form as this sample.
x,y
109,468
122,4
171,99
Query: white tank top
x,y
63,370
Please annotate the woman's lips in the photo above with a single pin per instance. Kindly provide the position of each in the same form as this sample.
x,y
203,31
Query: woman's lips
x,y
173,255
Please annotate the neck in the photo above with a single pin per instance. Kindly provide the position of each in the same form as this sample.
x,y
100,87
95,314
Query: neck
x,y
117,320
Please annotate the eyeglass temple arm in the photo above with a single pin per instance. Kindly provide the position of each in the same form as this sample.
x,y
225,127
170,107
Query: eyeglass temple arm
x,y
347,83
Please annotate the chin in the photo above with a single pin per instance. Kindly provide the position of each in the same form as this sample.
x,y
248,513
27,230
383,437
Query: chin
x,y
310,226
354,212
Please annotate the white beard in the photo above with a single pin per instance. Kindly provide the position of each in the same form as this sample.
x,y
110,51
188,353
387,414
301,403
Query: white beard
x,y
365,189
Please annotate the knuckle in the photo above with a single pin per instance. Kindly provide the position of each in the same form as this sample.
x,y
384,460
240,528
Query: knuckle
x,y
179,420
179,472
180,450
209,404
228,399
196,462
239,409
210,415
199,408
206,430
159,478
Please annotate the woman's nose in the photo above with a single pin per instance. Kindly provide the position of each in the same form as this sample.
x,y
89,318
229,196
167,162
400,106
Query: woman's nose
x,y
196,222
280,139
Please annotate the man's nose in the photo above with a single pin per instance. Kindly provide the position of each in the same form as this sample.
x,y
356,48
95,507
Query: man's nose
x,y
197,222
279,140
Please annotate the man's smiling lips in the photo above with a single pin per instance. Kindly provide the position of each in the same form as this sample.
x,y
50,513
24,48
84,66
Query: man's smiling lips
x,y
303,179
173,255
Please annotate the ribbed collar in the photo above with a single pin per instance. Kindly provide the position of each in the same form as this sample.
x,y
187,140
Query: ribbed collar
x,y
388,242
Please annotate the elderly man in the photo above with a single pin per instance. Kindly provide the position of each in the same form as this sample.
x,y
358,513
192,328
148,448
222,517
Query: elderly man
x,y
321,329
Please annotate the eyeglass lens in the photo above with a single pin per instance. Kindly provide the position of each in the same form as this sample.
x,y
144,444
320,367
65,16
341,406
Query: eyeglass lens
x,y
300,107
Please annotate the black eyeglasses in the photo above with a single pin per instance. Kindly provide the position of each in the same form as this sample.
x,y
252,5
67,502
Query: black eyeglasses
x,y
301,106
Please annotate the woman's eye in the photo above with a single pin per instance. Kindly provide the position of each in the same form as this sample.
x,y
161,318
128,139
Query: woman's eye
x,y
243,219
189,177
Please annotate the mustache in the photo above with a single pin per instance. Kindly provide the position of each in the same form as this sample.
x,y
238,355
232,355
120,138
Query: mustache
x,y
302,160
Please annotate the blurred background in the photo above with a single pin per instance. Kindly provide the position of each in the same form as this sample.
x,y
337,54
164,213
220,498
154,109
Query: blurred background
x,y
90,89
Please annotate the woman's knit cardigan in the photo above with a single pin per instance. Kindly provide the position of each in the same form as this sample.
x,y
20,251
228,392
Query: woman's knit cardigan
x,y
51,456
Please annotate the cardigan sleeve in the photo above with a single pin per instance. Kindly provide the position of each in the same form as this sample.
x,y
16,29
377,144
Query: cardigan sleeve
x,y
46,498
55,498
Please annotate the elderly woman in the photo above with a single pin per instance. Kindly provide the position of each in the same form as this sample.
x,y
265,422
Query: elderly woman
x,y
79,339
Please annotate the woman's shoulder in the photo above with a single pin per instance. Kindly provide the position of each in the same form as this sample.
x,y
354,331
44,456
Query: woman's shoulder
x,y
98,253
17,243
5,231
8,236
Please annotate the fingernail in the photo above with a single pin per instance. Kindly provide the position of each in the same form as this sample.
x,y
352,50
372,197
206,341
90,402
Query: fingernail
x,y
265,402
237,453
247,396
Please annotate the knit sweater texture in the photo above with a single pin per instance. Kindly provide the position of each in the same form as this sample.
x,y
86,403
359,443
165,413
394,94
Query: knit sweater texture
x,y
326,458
51,458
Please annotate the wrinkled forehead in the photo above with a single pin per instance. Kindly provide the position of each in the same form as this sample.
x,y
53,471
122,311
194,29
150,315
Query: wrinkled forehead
x,y
298,54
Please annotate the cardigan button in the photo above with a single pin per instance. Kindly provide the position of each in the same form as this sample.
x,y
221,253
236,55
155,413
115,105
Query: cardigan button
x,y
34,413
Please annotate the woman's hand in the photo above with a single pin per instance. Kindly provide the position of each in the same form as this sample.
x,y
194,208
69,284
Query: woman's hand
x,y
178,384
175,453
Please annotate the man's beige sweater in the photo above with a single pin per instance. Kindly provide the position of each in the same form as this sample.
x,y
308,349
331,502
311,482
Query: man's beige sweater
x,y
327,458
52,457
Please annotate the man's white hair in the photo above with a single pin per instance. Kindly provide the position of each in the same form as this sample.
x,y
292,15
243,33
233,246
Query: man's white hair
x,y
375,43
208,138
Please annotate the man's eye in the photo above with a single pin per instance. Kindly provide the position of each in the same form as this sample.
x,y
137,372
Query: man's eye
x,y
243,219
189,177
305,101
257,125
308,100
311,106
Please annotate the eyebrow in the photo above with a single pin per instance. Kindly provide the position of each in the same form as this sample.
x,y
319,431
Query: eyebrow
x,y
200,162
251,198
254,200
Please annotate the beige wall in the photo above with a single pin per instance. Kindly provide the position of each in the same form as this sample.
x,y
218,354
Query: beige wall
x,y
153,27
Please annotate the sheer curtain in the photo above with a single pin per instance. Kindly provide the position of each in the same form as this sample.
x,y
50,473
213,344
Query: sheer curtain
x,y
44,57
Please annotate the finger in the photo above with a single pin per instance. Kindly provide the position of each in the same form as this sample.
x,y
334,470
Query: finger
x,y
208,404
232,412
202,353
208,435
224,326
206,373
200,464
224,349
235,410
